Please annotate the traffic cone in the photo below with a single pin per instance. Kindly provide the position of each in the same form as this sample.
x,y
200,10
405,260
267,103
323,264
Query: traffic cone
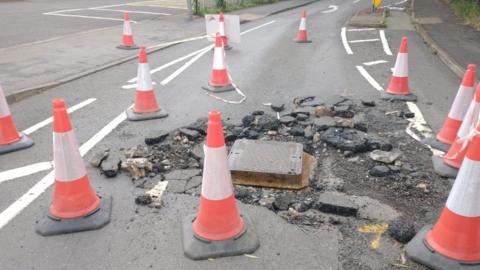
x,y
219,81
75,206
302,30
454,241
127,39
218,229
463,99
221,30
146,106
10,139
398,88
449,164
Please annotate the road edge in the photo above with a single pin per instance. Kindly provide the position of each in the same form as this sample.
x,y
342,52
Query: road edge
x,y
446,58
31,91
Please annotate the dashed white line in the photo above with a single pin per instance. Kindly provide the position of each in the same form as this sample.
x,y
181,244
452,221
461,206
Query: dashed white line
x,y
132,11
345,41
364,40
375,62
361,29
86,17
420,125
369,78
386,48
401,2
356,1
25,170
256,27
47,121
331,8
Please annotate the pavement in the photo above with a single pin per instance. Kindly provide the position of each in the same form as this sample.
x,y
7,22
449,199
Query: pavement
x,y
268,67
455,42
60,59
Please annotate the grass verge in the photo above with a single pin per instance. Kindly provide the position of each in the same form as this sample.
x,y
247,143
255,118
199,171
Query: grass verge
x,y
231,7
469,10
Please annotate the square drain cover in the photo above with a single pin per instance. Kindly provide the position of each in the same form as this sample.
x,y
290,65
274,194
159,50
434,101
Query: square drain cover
x,y
269,164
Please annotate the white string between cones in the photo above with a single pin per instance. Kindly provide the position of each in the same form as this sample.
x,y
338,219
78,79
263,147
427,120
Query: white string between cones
x,y
465,140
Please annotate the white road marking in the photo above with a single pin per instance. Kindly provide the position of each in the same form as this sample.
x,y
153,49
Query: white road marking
x,y
397,8
361,29
419,124
132,11
15,208
185,66
345,41
331,8
375,62
47,121
356,1
364,40
85,17
256,27
386,48
401,2
25,170
176,42
109,6
369,78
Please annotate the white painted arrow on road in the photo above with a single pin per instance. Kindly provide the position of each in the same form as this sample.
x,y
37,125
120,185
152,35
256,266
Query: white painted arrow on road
x,y
331,8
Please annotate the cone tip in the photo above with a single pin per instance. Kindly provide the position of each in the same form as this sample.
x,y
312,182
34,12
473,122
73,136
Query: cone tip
x,y
472,67
125,16
61,121
58,103
142,56
404,45
304,13
214,116
215,137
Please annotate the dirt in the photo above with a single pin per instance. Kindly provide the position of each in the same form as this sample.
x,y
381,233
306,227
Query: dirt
x,y
411,193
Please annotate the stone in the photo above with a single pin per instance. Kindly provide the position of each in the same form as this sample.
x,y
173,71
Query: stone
x,y
302,206
283,201
137,167
343,122
374,210
99,157
375,142
190,133
368,103
331,184
267,202
379,171
248,120
241,192
277,108
323,123
182,174
258,112
197,152
402,230
360,122
199,125
346,139
252,134
287,120
267,122
110,166
316,137
157,138
308,132
143,199
296,131
422,187
323,111
384,156
302,116
343,111
336,203
136,152
302,110
230,137
394,169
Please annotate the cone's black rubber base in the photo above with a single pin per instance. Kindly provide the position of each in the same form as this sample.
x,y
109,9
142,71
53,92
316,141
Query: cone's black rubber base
x,y
124,47
24,142
227,48
410,97
133,116
435,143
442,168
200,249
217,89
302,41
418,250
50,225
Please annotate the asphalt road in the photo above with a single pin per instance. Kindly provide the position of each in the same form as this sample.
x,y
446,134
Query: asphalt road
x,y
268,67
35,20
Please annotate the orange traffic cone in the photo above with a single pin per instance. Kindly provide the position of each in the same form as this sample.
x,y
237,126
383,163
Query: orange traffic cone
x,y
10,139
146,106
221,30
398,88
127,39
449,164
454,241
463,99
75,206
302,29
218,229
219,81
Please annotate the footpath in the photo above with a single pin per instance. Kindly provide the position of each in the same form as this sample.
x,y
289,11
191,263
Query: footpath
x,y
34,67
455,42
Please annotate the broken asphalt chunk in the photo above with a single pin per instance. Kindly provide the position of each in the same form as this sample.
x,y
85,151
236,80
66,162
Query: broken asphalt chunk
x,y
336,203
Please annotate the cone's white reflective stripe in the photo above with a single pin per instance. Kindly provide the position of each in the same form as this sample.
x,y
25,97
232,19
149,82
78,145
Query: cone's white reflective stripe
x,y
461,103
464,199
303,25
401,65
221,29
468,120
67,159
4,111
127,29
218,59
144,80
217,180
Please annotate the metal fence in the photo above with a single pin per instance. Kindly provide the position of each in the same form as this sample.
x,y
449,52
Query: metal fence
x,y
223,4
